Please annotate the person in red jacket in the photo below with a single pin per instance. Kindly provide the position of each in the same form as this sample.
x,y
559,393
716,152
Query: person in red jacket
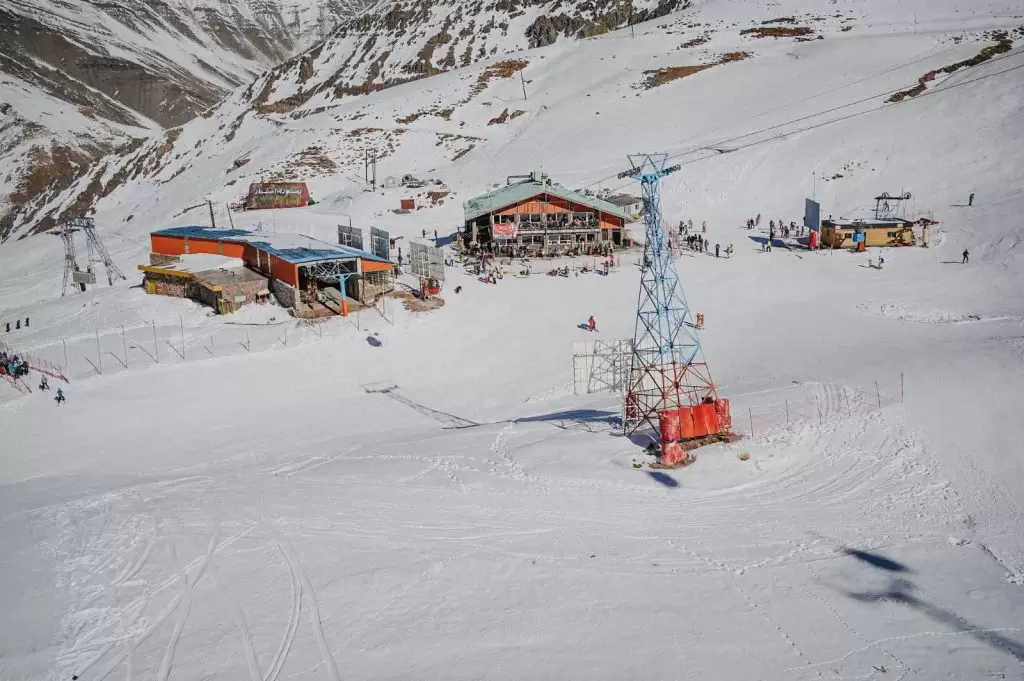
x,y
591,324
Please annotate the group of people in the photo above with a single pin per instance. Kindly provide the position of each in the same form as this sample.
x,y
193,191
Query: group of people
x,y
17,324
12,365
17,367
699,243
597,249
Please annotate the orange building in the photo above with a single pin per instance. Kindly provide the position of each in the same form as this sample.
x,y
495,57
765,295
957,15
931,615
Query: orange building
x,y
540,214
289,261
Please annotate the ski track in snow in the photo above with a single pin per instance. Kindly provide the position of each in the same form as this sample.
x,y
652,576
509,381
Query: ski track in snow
x,y
179,625
294,614
314,615
240,621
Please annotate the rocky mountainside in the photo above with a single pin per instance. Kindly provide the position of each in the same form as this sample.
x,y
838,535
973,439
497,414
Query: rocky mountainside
x,y
79,79
405,40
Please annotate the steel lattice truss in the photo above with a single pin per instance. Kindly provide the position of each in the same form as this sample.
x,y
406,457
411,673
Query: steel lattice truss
x,y
329,271
667,370
96,252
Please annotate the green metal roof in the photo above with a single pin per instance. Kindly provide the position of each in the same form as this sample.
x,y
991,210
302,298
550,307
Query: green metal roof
x,y
515,193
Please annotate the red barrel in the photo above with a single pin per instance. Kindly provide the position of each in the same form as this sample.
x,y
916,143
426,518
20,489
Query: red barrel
x,y
669,421
812,239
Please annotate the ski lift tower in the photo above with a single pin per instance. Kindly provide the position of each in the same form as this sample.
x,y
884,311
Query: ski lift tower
x,y
891,207
667,370
97,254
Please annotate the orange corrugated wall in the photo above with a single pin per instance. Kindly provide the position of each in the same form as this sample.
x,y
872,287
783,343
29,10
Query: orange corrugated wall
x,y
285,271
167,245
374,266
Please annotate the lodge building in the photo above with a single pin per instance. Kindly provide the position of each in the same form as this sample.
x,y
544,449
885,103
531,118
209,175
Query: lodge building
x,y
539,214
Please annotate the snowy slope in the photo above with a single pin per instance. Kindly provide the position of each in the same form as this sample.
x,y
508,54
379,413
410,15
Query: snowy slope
x,y
245,508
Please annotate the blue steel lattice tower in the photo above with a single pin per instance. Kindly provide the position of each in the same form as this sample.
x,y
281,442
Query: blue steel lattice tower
x,y
667,370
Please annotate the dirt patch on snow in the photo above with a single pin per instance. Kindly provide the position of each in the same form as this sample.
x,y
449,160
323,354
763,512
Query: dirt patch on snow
x,y
1004,43
778,32
437,198
414,304
503,69
659,77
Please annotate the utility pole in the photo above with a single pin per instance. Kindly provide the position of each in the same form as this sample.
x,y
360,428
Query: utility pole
x,y
213,221
366,166
373,161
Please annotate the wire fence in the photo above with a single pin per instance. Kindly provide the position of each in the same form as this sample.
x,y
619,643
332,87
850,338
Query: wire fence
x,y
828,403
140,345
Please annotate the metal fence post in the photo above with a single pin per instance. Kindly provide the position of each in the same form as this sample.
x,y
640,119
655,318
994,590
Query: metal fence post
x,y
878,394
750,413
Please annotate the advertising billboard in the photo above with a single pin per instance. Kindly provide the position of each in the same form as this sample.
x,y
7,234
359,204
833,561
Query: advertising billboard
x,y
277,195
380,243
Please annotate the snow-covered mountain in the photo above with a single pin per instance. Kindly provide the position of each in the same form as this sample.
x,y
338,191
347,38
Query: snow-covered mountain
x,y
161,64
79,79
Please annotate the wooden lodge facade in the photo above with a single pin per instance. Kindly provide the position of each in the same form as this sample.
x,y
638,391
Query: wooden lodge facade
x,y
540,215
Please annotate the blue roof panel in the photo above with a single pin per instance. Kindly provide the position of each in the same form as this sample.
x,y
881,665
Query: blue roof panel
x,y
293,248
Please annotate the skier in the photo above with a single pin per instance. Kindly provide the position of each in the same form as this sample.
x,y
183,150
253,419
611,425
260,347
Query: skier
x,y
424,234
967,257
435,235
771,225
704,227
757,220
591,324
26,322
17,324
59,399
716,250
970,199
44,384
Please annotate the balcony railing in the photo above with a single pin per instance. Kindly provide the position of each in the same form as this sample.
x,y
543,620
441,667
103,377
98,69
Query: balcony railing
x,y
566,226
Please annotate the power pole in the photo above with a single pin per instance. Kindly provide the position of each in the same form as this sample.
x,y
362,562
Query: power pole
x,y
373,161
213,220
